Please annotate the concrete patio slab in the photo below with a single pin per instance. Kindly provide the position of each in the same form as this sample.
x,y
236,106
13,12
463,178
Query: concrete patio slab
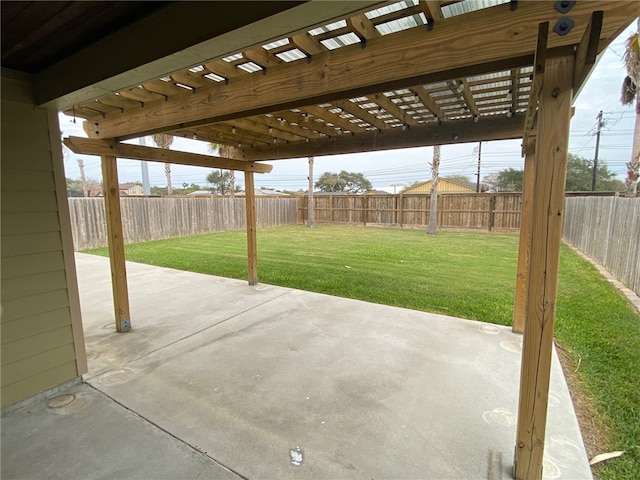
x,y
270,382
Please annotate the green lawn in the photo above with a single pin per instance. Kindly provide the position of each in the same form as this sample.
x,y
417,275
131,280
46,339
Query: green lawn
x,y
468,275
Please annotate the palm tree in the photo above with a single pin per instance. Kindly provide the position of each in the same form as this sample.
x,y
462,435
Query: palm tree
x,y
164,140
225,151
432,227
629,95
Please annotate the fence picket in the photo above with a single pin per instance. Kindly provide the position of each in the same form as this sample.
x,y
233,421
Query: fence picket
x,y
145,219
607,229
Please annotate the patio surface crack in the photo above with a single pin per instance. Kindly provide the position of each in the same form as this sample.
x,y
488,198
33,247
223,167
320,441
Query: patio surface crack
x,y
191,446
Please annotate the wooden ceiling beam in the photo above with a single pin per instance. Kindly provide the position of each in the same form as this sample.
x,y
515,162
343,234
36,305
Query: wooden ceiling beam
x,y
283,123
363,27
307,119
428,101
141,95
88,146
384,102
307,44
166,89
333,118
224,69
261,57
514,89
191,79
354,109
222,134
468,97
268,127
460,131
351,71
431,9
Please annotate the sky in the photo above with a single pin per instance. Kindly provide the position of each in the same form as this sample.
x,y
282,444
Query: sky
x,y
393,169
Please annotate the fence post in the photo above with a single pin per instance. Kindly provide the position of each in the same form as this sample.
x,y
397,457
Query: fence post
x,y
400,209
364,206
492,207
331,209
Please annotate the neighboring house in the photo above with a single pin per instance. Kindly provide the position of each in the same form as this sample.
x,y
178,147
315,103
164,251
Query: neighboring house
x,y
131,189
265,192
202,193
444,186
126,190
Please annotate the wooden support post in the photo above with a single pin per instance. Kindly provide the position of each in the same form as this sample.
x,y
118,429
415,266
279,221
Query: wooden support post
x,y
554,115
252,244
401,209
111,190
520,303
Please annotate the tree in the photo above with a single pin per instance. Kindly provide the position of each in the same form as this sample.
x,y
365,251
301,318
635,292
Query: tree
x,y
221,181
75,188
344,181
164,140
459,178
579,176
432,227
629,94
225,151
508,180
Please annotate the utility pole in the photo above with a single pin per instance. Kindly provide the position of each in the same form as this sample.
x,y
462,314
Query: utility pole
x,y
478,173
595,156
310,203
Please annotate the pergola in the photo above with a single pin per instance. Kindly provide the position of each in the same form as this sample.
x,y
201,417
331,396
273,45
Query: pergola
x,y
324,78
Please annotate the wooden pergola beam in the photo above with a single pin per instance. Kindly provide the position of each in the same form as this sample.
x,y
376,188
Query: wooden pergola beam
x,y
538,79
427,57
459,131
587,50
88,146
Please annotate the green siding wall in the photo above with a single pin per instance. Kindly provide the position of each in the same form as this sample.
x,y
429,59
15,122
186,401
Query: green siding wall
x,y
36,337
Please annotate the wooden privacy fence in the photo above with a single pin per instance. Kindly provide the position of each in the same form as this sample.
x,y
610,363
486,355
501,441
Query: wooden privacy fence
x,y
607,229
491,211
145,219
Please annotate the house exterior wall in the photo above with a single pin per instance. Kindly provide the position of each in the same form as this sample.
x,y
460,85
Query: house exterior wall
x,y
41,336
444,186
